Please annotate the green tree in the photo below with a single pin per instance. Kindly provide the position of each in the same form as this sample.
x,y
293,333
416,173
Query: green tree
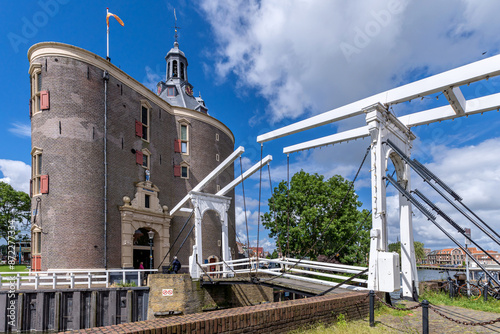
x,y
311,216
417,245
15,210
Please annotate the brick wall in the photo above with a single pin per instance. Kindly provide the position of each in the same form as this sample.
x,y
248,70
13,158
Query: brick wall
x,y
265,318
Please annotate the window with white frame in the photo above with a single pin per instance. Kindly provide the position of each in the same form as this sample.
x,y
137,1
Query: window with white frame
x,y
36,245
145,119
36,171
184,131
146,158
184,170
36,87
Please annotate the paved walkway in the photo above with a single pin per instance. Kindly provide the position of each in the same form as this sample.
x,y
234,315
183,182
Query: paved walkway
x,y
411,322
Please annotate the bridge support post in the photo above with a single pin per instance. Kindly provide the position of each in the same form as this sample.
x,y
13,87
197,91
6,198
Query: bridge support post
x,y
378,234
382,125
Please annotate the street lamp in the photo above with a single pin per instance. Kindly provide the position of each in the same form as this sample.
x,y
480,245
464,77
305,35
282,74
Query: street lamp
x,y
151,235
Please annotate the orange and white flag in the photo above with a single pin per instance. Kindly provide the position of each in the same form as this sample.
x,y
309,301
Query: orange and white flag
x,y
115,16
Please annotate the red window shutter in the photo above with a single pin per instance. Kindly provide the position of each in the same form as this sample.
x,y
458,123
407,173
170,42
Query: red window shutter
x,y
177,170
138,157
44,184
177,146
44,100
138,129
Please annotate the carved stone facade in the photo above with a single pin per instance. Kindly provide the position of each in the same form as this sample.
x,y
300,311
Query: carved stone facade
x,y
144,211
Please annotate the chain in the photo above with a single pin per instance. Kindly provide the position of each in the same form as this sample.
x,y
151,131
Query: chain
x,y
398,308
362,300
491,322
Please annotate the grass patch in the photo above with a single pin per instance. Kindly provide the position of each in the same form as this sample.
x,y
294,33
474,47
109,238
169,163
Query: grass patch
x,y
351,327
5,270
342,326
18,267
442,298
122,284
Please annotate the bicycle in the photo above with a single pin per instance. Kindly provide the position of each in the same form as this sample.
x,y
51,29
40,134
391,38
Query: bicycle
x,y
493,291
468,289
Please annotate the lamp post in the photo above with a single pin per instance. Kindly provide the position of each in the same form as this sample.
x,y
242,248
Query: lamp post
x,y
151,235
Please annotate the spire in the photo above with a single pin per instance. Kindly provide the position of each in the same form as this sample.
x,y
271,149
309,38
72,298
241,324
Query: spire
x,y
175,29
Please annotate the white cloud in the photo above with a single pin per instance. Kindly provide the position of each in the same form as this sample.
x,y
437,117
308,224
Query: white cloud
x,y
294,53
16,173
21,130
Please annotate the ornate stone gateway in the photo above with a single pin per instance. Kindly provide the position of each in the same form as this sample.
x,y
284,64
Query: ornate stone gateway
x,y
144,213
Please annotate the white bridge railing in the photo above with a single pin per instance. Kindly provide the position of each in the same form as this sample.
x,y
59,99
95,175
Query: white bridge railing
x,y
291,268
72,278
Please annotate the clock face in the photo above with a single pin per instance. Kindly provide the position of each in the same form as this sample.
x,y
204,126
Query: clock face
x,y
159,90
189,90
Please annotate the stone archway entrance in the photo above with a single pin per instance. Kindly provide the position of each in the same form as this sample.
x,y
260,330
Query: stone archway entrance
x,y
139,216
142,249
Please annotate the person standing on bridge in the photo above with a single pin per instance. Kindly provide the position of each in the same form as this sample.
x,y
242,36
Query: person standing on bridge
x,y
176,265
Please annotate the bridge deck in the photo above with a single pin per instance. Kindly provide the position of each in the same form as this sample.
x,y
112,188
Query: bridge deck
x,y
291,285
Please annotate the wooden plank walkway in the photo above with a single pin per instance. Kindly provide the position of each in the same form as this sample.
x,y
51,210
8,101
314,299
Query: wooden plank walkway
x,y
291,285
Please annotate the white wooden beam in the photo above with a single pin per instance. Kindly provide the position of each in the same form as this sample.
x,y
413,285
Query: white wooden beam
x,y
474,106
453,78
332,139
244,176
203,183
456,99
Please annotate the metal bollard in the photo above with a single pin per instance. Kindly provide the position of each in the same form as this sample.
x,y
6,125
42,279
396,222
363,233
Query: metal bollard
x,y
485,293
425,317
372,308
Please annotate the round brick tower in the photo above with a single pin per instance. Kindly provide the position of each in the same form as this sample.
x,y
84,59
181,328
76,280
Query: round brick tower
x,y
178,145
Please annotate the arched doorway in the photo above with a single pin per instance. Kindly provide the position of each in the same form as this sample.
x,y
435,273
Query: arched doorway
x,y
142,248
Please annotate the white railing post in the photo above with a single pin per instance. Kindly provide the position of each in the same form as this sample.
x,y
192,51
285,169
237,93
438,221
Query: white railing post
x,y
107,278
18,281
139,278
123,276
72,280
54,280
90,279
36,281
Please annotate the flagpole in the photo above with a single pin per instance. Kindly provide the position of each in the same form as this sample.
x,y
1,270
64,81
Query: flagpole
x,y
107,35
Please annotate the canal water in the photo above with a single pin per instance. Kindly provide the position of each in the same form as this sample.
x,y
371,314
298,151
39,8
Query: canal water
x,y
430,274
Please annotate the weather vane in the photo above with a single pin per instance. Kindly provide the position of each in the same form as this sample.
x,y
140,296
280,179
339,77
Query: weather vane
x,y
175,26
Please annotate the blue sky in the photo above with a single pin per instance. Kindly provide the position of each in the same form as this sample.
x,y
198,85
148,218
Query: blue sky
x,y
260,65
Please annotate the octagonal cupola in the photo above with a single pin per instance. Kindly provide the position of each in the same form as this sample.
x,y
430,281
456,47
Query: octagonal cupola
x,y
176,64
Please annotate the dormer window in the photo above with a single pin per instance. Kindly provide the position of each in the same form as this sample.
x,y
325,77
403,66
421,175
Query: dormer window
x,y
171,91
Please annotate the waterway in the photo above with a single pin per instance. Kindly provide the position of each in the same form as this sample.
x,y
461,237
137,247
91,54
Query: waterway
x,y
430,274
